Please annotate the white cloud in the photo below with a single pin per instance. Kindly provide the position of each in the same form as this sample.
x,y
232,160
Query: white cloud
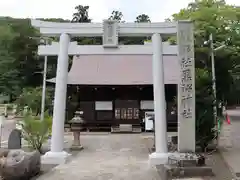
x,y
158,10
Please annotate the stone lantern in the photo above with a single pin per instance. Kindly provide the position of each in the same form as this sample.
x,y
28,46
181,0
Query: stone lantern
x,y
76,126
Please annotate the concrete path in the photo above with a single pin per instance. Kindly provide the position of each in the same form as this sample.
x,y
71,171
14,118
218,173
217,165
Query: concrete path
x,y
233,112
108,157
230,142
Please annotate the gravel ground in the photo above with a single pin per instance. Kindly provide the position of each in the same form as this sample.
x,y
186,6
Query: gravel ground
x,y
108,157
129,145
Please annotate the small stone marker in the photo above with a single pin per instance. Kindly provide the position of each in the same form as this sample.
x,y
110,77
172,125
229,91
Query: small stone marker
x,y
14,140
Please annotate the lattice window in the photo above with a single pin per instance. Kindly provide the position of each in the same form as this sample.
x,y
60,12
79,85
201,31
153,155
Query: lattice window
x,y
129,113
136,113
118,113
123,113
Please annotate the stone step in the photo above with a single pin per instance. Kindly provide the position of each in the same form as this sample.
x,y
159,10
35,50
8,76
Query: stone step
x,y
174,172
115,129
137,129
125,128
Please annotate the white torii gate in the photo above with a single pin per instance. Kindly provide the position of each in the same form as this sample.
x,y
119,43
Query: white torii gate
x,y
110,31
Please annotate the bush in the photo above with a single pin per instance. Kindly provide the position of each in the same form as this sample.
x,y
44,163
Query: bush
x,y
32,97
204,109
35,131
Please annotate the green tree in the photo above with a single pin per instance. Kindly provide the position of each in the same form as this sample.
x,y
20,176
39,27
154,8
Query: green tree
x,y
24,50
9,73
81,15
143,18
222,20
204,110
116,15
18,57
32,98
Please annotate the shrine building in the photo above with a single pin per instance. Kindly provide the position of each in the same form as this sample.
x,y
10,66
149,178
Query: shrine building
x,y
116,90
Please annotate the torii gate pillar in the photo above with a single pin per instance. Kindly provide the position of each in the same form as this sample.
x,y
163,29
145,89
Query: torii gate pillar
x,y
56,155
161,151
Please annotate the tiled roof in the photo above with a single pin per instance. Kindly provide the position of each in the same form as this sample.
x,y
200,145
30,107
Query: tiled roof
x,y
119,70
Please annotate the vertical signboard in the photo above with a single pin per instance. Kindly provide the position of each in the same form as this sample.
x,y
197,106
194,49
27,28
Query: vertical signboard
x,y
186,88
110,33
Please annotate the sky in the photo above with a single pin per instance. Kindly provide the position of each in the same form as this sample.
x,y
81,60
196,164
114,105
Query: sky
x,y
158,10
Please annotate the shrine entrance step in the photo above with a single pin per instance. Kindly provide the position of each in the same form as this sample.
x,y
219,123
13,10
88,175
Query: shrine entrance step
x,y
126,128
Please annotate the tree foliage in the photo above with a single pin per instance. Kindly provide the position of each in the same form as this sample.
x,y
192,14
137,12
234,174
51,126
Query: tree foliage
x,y
8,71
204,109
32,98
18,60
142,18
81,15
116,15
223,21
